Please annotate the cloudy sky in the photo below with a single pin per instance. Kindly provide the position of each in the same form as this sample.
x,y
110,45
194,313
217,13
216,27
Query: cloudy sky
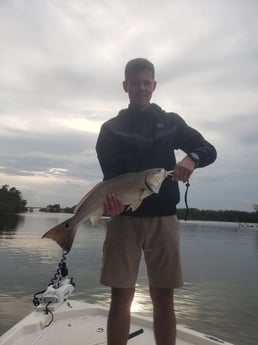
x,y
61,68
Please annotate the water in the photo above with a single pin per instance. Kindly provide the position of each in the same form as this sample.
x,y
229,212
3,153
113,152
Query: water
x,y
220,264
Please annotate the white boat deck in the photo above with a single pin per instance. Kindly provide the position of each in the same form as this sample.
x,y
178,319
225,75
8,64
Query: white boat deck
x,y
78,323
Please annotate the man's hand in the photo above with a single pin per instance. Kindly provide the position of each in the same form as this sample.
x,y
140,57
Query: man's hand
x,y
184,169
113,205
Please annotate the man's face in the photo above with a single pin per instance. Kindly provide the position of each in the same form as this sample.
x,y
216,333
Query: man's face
x,y
140,88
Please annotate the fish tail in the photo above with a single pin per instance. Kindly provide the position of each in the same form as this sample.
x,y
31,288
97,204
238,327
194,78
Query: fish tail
x,y
63,234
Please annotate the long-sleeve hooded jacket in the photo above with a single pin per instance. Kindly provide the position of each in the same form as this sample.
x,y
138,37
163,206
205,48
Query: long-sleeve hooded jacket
x,y
137,140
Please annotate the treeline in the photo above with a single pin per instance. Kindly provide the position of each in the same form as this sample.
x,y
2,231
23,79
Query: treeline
x,y
11,200
57,209
219,216
194,214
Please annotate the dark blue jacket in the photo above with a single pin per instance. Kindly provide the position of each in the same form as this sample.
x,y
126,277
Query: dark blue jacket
x,y
136,140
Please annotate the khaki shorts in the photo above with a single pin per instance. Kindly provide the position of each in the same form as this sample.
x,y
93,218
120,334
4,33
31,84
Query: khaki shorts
x,y
128,237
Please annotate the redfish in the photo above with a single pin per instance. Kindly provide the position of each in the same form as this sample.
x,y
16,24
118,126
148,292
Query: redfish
x,y
132,188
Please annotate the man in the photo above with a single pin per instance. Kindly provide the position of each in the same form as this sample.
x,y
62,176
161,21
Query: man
x,y
143,136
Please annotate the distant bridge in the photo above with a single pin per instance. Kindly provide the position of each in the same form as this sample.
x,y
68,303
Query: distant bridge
x,y
31,208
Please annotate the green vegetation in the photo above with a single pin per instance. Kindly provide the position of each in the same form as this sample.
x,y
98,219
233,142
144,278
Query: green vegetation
x,y
11,200
220,215
194,214
56,208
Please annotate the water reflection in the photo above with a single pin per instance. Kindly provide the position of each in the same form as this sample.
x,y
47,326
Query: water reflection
x,y
219,263
256,243
9,223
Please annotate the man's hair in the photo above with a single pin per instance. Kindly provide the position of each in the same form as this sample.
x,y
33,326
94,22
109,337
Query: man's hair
x,y
135,66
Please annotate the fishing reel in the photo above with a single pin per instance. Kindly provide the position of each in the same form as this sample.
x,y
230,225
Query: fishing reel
x,y
58,291
57,295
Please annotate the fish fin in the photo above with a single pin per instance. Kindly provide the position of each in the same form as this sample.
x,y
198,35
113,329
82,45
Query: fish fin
x,y
136,203
63,234
95,219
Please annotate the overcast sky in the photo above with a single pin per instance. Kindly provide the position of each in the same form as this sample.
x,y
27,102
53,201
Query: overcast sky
x,y
61,68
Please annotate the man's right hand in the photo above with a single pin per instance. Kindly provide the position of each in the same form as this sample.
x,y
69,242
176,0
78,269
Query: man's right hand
x,y
113,205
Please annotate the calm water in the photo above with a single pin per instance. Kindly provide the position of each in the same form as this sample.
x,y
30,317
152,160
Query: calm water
x,y
220,263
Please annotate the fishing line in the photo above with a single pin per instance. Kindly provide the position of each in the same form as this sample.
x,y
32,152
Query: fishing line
x,y
186,201
61,272
170,173
48,311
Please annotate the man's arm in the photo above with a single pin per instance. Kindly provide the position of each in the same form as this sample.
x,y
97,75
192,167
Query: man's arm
x,y
106,152
200,152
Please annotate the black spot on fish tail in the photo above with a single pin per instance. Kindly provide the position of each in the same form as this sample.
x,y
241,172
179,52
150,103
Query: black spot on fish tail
x,y
63,234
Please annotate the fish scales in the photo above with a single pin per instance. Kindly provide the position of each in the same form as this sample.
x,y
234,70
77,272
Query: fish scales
x,y
132,188
126,189
94,205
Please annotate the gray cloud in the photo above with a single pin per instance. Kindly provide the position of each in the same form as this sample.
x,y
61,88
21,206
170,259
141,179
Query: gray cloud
x,y
38,153
61,66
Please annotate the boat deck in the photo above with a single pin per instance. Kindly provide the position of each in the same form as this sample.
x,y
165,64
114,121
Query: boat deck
x,y
77,323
